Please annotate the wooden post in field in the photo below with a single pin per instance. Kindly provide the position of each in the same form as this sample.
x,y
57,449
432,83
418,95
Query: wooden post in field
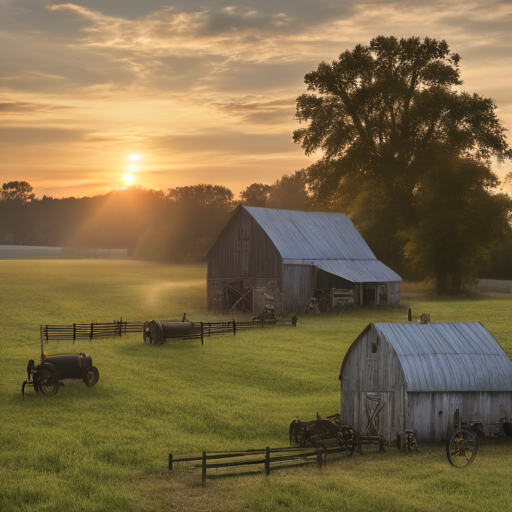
x,y
201,333
170,461
267,461
74,333
203,476
319,458
234,327
92,327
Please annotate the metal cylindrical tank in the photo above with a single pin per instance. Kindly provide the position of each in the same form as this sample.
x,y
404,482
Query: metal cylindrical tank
x,y
157,331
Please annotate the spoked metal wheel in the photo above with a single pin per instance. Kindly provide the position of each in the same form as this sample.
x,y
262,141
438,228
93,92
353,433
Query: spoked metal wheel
x,y
461,448
48,381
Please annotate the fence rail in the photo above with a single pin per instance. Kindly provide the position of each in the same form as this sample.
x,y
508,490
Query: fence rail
x,y
89,331
119,327
267,459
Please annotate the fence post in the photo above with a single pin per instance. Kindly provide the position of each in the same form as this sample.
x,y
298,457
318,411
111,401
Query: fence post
x,y
201,333
267,461
74,333
170,461
203,476
92,327
234,327
319,458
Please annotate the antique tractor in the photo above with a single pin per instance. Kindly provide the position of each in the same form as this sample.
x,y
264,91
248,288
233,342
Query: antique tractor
x,y
47,376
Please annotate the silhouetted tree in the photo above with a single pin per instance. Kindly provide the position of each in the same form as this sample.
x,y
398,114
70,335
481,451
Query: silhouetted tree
x,y
290,192
17,190
384,115
255,195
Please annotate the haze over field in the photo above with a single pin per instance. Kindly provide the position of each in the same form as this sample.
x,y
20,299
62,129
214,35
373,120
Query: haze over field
x,y
101,94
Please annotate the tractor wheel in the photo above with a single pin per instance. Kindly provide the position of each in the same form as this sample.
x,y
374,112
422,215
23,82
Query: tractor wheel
x,y
90,376
48,382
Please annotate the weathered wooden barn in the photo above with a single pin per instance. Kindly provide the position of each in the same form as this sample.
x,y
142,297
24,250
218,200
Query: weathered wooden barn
x,y
285,258
419,375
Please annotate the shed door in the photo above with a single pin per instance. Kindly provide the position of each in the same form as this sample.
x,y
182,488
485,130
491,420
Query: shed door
x,y
378,413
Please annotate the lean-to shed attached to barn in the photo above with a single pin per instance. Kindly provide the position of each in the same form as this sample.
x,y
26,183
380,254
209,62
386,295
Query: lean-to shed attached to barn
x,y
419,375
285,258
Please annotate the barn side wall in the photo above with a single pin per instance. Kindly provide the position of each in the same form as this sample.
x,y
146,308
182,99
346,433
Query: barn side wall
x,y
245,256
367,376
394,293
431,415
296,288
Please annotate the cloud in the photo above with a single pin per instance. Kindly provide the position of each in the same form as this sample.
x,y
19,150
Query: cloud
x,y
224,143
26,107
29,136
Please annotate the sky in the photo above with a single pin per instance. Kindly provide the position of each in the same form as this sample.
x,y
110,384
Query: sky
x,y
101,94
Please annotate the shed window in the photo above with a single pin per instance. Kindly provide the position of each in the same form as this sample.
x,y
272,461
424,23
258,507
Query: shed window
x,y
244,234
374,345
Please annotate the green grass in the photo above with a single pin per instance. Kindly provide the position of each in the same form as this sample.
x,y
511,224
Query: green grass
x,y
106,448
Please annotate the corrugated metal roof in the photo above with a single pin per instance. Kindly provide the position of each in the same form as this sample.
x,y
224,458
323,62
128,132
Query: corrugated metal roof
x,y
326,240
459,356
312,235
359,271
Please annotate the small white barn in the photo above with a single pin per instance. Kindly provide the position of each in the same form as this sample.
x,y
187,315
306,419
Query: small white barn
x,y
419,375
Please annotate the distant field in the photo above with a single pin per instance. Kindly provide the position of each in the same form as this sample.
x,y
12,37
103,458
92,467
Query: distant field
x,y
106,448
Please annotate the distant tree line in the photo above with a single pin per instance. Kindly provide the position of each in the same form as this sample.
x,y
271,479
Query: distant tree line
x,y
176,225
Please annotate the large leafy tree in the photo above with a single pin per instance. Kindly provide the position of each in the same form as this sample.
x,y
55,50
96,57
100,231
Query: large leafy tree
x,y
384,117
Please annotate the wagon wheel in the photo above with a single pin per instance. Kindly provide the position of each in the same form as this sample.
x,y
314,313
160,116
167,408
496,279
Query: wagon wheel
x,y
461,448
48,382
90,376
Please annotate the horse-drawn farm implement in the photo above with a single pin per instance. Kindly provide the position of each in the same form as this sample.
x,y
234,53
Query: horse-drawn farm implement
x,y
330,431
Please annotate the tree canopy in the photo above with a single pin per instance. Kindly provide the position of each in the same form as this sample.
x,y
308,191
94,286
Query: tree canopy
x,y
17,190
388,119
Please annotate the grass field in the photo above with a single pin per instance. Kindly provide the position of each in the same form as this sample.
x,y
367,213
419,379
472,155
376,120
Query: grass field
x,y
106,448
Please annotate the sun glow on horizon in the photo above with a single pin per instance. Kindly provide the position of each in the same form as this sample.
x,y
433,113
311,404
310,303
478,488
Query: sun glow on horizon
x,y
134,157
128,178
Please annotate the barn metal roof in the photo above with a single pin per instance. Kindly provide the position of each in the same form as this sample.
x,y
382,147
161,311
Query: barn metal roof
x,y
359,271
326,240
312,235
458,356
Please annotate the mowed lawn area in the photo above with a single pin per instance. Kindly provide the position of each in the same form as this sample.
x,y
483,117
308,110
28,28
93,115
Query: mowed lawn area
x,y
106,448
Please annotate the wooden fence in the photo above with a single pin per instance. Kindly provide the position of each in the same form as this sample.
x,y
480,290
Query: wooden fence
x,y
119,327
89,331
245,461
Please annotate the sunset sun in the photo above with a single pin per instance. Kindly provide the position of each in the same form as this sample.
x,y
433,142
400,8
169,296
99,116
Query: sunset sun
x,y
128,178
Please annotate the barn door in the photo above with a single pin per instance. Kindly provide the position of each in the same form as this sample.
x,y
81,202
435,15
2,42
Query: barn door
x,y
379,414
